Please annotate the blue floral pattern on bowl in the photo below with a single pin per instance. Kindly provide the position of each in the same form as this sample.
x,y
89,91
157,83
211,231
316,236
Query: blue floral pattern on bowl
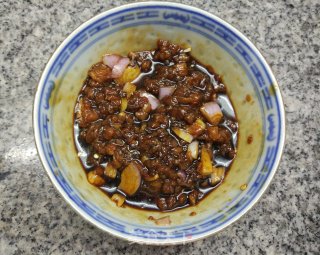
x,y
213,29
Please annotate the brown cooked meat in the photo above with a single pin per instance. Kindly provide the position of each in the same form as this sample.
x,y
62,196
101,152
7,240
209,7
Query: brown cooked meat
x,y
154,130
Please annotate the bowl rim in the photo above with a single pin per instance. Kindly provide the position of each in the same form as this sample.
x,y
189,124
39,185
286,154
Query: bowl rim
x,y
136,239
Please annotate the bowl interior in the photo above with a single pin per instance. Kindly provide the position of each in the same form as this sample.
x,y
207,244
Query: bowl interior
x,y
137,27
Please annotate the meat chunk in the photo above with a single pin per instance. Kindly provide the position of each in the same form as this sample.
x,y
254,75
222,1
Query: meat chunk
x,y
100,72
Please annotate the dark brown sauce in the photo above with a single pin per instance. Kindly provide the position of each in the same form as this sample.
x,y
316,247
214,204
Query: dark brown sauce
x,y
142,200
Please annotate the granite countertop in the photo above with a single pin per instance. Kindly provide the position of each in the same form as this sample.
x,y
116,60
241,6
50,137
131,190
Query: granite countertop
x,y
34,219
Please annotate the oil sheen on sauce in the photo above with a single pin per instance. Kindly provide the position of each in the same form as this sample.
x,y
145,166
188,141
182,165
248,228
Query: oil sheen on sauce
x,y
141,201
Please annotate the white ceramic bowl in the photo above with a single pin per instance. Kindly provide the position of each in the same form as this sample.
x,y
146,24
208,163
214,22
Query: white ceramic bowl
x,y
213,41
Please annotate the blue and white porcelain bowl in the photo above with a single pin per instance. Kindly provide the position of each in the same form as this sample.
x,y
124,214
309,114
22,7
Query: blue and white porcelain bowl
x,y
252,88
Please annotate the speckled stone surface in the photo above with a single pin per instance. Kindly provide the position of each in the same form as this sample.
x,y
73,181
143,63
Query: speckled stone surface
x,y
34,219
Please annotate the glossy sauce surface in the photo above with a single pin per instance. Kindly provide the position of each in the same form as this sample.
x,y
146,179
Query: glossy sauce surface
x,y
170,178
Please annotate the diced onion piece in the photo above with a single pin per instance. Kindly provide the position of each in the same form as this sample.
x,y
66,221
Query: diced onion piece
x,y
205,167
193,150
110,171
111,59
154,102
164,221
118,199
95,179
129,75
197,127
130,179
200,123
152,178
166,91
212,112
124,104
184,135
129,88
217,175
119,68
